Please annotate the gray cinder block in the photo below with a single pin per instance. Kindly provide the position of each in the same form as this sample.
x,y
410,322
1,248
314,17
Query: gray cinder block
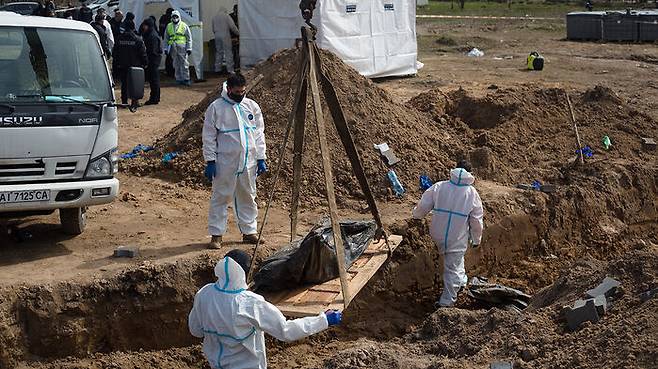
x,y
647,295
608,288
648,143
501,365
126,252
582,311
601,304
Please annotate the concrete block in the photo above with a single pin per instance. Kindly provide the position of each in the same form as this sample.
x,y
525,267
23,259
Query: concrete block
x,y
648,143
501,365
582,311
608,288
601,304
647,295
390,158
126,252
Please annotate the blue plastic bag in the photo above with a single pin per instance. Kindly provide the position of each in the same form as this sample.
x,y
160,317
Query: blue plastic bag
x,y
425,182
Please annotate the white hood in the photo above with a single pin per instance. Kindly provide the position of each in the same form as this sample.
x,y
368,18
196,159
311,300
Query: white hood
x,y
461,177
230,276
225,94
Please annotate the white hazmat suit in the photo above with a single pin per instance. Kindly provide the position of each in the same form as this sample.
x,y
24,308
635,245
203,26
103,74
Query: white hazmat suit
x,y
232,321
178,41
233,137
456,217
222,26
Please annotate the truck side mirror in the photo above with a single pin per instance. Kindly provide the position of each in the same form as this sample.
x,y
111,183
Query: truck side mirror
x,y
136,81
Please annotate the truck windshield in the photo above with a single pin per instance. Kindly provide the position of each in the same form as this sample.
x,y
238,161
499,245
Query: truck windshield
x,y
39,62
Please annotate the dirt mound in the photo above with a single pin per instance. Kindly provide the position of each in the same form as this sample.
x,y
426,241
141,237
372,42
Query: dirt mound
x,y
373,116
480,113
536,338
529,133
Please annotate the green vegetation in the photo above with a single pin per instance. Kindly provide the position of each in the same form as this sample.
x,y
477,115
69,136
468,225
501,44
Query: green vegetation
x,y
517,8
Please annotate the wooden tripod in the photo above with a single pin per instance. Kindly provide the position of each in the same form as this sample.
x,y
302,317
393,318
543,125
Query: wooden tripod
x,y
309,70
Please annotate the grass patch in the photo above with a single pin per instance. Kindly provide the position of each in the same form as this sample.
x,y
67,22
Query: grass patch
x,y
517,9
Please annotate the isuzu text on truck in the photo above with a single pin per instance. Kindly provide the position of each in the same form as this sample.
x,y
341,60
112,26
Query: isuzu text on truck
x,y
58,120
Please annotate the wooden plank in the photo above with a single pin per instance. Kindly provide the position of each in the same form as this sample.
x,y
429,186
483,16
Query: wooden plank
x,y
326,166
295,295
298,147
312,300
326,288
340,122
282,152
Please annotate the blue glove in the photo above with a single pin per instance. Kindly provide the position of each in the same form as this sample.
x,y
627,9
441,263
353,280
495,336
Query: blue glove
x,y
334,317
262,167
211,170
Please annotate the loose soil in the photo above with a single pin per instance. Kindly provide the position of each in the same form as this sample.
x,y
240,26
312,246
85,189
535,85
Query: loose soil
x,y
83,309
373,116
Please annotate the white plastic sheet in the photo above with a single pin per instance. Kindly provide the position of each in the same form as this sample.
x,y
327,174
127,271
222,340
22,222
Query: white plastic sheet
x,y
375,37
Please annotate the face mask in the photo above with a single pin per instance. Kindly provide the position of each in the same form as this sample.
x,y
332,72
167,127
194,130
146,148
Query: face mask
x,y
235,97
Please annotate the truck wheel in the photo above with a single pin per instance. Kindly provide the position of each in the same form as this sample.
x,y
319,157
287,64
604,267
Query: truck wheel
x,y
73,220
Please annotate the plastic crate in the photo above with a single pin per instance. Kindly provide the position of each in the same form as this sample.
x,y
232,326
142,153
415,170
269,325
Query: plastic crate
x,y
584,25
620,26
648,26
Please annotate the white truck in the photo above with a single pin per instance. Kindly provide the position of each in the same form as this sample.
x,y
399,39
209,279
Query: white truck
x,y
58,120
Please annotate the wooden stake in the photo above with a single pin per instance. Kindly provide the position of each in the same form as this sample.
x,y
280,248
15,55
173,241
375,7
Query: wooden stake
x,y
282,151
575,128
298,145
338,116
298,151
326,165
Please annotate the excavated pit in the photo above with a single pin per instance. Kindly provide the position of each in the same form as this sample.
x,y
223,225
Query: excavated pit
x,y
139,317
144,308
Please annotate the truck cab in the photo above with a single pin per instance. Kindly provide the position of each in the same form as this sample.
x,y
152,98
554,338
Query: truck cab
x,y
58,120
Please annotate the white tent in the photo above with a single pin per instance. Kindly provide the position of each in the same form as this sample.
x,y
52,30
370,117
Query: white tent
x,y
375,37
195,13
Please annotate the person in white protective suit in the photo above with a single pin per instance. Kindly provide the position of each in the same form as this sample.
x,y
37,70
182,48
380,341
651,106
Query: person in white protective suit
x,y
232,320
234,151
222,27
178,44
456,221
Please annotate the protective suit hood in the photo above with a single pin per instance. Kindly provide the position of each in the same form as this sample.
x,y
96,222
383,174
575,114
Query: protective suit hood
x,y
230,276
225,94
461,177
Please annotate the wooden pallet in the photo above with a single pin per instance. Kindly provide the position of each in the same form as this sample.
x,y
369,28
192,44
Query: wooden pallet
x,y
312,300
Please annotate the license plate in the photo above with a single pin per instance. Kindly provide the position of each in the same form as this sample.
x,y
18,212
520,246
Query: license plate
x,y
24,196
